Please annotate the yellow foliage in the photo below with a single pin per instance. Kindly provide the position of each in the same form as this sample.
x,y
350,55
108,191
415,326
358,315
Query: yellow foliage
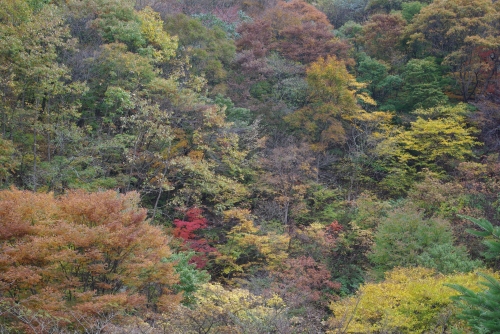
x,y
333,108
245,238
245,224
196,155
214,116
219,310
152,28
409,300
438,133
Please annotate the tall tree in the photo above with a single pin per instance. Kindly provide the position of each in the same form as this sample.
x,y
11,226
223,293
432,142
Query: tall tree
x,y
481,309
438,138
296,29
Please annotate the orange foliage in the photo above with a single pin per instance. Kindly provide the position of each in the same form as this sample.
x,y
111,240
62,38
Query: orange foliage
x,y
82,255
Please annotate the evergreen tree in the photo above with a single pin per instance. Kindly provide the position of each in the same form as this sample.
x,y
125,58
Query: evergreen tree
x,y
482,309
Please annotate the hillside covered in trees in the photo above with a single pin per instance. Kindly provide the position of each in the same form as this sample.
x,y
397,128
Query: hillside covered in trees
x,y
249,166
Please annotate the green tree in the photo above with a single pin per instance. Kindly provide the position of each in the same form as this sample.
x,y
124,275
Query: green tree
x,y
459,31
209,49
117,22
383,86
448,259
341,11
190,279
389,5
116,76
423,85
8,163
410,9
38,97
404,235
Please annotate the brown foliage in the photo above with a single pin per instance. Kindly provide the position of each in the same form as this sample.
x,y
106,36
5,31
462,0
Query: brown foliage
x,y
297,30
382,35
288,171
487,119
306,288
305,281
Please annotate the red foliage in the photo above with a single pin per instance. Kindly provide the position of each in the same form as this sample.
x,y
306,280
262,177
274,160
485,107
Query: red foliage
x,y
186,229
309,41
255,36
203,249
490,63
195,221
334,228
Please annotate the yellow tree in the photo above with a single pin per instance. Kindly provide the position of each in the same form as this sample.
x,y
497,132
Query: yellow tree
x,y
37,98
219,310
438,135
333,104
248,247
161,44
410,300
334,118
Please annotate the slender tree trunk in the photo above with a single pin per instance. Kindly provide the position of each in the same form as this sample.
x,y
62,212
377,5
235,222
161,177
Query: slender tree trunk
x,y
35,132
156,204
4,119
159,193
287,207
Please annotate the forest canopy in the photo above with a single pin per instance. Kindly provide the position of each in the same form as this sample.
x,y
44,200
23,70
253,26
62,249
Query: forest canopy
x,y
249,166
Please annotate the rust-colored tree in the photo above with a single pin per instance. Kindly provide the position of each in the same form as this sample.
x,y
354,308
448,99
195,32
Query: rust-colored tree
x,y
382,35
83,260
306,288
296,30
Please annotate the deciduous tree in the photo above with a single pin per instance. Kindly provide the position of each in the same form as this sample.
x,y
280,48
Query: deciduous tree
x,y
438,137
81,256
459,31
297,30
409,300
382,37
333,104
